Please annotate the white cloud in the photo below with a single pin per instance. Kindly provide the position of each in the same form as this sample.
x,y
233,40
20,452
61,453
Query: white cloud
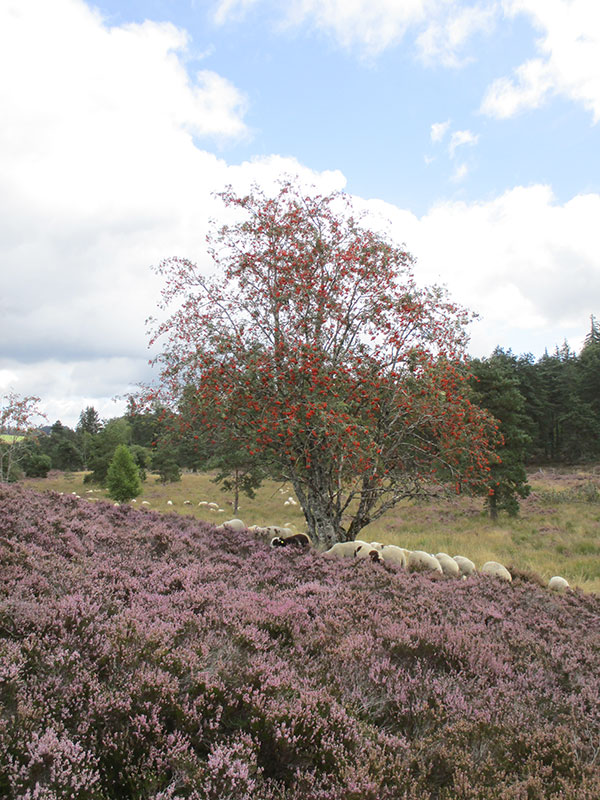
x,y
459,173
525,263
439,130
568,64
100,177
460,138
442,27
447,33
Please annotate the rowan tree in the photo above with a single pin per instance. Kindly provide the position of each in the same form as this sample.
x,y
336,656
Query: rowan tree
x,y
313,346
17,428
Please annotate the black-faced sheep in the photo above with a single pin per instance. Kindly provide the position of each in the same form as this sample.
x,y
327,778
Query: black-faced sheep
x,y
295,540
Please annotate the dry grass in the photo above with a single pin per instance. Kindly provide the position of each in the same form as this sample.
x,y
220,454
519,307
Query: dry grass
x,y
556,533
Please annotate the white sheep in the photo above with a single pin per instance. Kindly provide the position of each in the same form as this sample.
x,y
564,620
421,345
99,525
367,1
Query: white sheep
x,y
392,554
558,584
203,503
465,565
169,502
145,503
234,524
419,560
346,549
187,502
494,568
213,505
448,565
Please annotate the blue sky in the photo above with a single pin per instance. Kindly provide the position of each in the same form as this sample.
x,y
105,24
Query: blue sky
x,y
471,128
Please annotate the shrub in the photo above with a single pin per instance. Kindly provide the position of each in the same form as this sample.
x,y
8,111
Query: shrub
x,y
123,479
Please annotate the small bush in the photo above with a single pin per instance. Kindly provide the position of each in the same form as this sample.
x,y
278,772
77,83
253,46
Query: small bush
x,y
123,479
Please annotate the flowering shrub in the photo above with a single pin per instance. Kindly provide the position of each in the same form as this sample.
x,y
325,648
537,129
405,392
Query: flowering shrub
x,y
148,656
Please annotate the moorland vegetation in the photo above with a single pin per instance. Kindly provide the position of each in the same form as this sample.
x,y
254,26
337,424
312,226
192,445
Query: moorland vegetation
x,y
148,655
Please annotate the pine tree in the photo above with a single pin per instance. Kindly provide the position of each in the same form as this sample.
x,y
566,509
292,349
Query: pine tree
x,y
123,479
497,390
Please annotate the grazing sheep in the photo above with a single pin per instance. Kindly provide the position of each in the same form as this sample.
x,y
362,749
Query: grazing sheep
x,y
465,565
369,552
203,503
558,584
346,549
419,560
187,502
213,505
448,565
295,540
145,503
391,554
494,568
234,524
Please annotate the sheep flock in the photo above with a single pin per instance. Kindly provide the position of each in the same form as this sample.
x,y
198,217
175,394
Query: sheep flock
x,y
454,567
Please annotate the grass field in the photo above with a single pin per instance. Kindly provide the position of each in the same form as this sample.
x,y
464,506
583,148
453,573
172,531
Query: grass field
x,y
556,533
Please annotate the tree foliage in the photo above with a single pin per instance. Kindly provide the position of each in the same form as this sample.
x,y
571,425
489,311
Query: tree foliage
x,y
314,347
17,426
497,389
123,480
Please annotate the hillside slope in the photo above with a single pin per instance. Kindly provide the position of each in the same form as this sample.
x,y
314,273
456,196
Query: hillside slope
x,y
149,656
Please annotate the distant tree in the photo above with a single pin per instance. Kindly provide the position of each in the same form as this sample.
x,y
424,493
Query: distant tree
x,y
496,388
61,444
18,424
114,432
589,372
35,463
123,480
165,463
315,348
237,472
89,421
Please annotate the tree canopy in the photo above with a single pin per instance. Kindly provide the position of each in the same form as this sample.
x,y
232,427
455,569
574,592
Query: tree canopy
x,y
313,345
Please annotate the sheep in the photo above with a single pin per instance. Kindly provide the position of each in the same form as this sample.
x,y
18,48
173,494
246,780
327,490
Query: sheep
x,y
391,554
377,545
295,540
494,568
419,560
203,503
448,565
187,502
234,524
145,503
558,584
213,505
346,549
369,552
465,565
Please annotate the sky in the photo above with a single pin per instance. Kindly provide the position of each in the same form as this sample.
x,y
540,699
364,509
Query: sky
x,y
468,131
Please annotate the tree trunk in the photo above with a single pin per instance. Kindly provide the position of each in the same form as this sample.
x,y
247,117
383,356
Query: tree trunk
x,y
236,492
493,506
323,524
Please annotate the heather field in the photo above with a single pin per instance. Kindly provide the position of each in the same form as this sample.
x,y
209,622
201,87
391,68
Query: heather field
x,y
146,655
556,533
